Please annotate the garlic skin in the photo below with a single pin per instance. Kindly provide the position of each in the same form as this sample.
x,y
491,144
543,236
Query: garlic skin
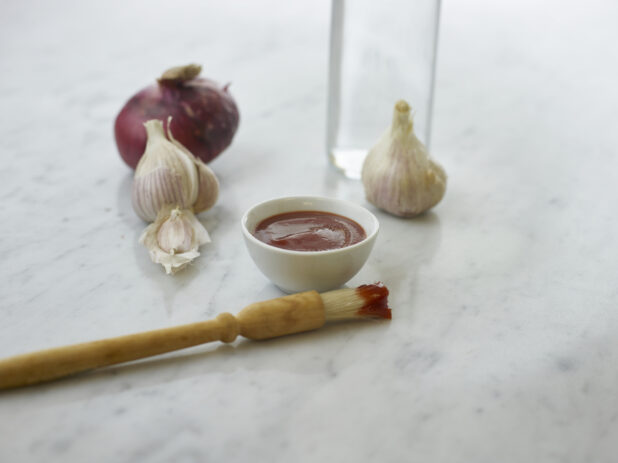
x,y
397,173
208,187
168,174
174,238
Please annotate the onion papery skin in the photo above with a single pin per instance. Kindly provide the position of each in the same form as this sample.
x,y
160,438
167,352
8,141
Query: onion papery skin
x,y
204,118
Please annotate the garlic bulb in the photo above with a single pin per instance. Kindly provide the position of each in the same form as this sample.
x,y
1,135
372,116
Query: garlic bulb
x,y
168,173
174,238
169,187
397,174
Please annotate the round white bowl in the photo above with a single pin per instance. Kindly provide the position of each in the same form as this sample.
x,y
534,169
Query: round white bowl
x,y
296,271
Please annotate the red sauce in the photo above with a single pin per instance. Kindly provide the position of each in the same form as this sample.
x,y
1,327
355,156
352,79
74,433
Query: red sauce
x,y
375,300
309,231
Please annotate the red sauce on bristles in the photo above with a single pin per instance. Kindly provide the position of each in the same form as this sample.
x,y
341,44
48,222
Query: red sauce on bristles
x,y
376,300
366,301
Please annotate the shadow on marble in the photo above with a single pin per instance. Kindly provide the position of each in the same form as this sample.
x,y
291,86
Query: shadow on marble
x,y
168,286
337,185
123,203
403,248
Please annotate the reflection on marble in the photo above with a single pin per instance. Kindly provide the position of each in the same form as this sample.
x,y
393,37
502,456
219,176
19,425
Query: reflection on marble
x,y
502,345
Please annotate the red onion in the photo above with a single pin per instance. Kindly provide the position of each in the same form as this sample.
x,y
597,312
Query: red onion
x,y
204,114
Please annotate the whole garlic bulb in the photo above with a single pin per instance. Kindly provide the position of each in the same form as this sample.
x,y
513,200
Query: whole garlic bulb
x,y
168,173
169,187
397,174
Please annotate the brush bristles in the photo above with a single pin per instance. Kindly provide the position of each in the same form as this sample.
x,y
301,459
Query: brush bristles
x,y
341,304
366,301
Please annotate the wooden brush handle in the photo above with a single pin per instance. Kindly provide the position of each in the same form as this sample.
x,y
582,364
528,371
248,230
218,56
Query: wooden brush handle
x,y
262,320
61,361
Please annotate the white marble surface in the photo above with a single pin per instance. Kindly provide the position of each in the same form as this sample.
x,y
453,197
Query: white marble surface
x,y
503,344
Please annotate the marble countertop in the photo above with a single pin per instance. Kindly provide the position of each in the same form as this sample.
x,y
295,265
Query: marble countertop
x,y
503,341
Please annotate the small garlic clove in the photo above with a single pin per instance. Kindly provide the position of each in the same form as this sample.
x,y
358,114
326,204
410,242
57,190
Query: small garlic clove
x,y
164,175
208,184
174,238
209,188
175,235
398,175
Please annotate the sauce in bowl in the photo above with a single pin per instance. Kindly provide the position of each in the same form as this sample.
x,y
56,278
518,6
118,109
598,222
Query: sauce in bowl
x,y
309,231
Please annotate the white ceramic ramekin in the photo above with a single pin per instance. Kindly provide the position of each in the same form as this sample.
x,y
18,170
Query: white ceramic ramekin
x,y
296,271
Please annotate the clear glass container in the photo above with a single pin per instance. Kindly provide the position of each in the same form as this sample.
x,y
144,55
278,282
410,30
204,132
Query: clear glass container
x,y
380,52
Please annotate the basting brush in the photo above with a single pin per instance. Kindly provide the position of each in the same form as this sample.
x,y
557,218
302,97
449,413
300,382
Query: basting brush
x,y
261,320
